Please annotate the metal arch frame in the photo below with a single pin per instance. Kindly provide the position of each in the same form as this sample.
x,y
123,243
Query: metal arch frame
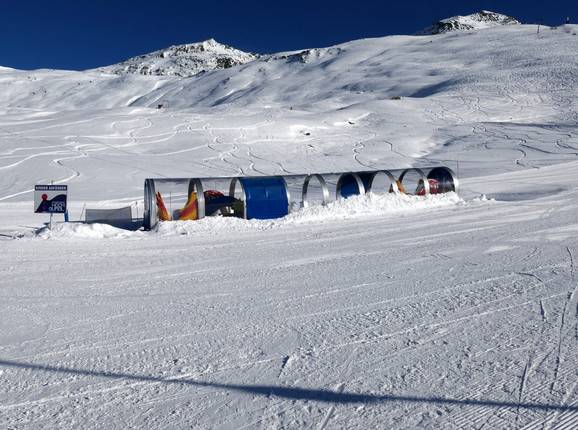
x,y
419,172
196,185
287,193
389,175
324,189
150,205
360,186
232,187
455,180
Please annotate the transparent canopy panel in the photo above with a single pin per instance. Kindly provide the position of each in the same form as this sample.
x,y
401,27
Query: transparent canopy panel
x,y
314,191
293,185
381,182
446,179
182,199
413,182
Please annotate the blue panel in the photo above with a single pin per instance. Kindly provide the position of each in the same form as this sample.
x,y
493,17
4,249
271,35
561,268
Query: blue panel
x,y
349,186
266,197
366,179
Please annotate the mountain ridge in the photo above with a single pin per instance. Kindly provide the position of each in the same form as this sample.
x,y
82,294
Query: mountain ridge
x,y
182,60
352,72
475,21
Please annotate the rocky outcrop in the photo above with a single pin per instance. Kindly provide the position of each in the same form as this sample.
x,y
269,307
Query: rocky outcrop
x,y
475,21
183,60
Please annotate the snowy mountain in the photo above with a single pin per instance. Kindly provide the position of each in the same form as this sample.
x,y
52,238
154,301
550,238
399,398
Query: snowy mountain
x,y
298,111
392,101
500,60
183,60
475,21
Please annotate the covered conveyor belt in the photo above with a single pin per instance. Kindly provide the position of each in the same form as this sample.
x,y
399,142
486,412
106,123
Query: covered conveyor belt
x,y
268,197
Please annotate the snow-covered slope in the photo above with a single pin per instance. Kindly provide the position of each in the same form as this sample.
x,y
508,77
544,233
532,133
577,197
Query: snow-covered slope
x,y
491,101
475,21
461,316
376,312
183,60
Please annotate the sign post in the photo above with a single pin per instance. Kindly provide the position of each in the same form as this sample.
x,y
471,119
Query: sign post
x,y
50,199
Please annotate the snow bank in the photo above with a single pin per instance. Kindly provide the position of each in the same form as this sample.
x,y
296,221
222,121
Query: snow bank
x,y
85,231
369,205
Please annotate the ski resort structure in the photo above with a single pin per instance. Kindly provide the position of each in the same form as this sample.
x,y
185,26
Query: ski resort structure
x,y
269,197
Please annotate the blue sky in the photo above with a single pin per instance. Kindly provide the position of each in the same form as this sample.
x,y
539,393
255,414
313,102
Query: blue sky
x,y
83,34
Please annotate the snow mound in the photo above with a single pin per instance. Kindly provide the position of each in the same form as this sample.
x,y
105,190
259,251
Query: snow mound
x,y
183,60
364,206
85,231
475,21
213,225
370,205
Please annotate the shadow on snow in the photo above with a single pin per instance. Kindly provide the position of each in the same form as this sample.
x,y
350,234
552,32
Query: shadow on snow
x,y
294,393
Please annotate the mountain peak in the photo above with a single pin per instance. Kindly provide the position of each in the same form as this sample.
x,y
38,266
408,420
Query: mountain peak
x,y
183,60
475,21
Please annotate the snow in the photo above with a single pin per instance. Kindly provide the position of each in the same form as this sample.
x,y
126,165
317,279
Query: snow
x,y
85,231
476,21
183,60
371,205
373,312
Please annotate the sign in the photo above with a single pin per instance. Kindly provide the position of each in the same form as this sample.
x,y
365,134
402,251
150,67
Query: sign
x,y
50,199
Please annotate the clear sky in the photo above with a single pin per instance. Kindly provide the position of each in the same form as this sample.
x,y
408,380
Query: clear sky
x,y
81,34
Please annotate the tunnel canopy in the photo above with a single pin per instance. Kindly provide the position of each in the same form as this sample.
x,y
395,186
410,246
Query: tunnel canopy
x,y
269,197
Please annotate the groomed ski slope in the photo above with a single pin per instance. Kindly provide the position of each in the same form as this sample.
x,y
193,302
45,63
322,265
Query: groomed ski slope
x,y
378,312
456,316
